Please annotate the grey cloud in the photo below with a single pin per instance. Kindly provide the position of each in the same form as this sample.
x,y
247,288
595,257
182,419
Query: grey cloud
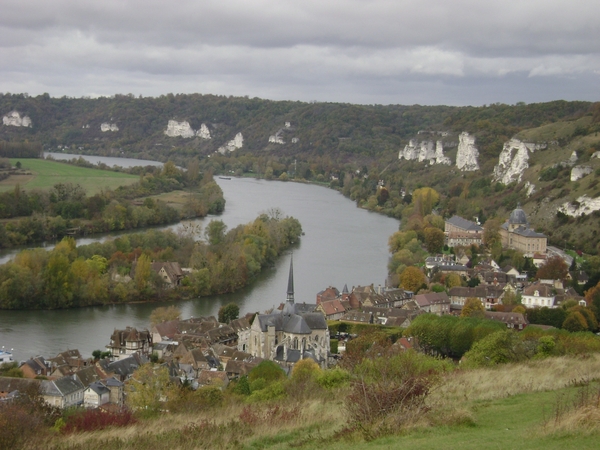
x,y
348,50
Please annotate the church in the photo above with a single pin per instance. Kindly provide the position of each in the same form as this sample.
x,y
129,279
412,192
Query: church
x,y
287,336
516,234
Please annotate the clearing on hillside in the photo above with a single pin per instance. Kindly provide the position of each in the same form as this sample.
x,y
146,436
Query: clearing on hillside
x,y
43,174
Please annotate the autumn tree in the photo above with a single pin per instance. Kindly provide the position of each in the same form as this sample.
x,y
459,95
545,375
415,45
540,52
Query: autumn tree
x,y
453,280
592,297
555,269
491,232
164,314
143,272
434,239
472,308
412,278
149,388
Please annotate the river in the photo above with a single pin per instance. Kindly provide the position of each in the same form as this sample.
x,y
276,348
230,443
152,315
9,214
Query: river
x,y
342,245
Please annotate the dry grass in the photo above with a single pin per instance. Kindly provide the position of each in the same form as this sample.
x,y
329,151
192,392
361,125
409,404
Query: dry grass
x,y
511,379
218,428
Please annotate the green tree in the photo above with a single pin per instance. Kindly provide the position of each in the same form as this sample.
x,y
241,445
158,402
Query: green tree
x,y
215,232
228,312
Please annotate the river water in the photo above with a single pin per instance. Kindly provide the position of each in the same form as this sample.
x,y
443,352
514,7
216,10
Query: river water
x,y
342,245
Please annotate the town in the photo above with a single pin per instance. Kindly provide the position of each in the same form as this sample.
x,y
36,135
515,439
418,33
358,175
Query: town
x,y
204,351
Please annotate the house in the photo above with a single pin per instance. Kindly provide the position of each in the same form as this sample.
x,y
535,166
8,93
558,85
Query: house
x,y
169,272
63,392
116,391
124,343
330,293
390,316
357,316
462,232
435,303
515,321
122,369
489,295
95,395
537,295
165,330
580,276
11,387
213,378
66,363
332,309
289,335
35,367
516,234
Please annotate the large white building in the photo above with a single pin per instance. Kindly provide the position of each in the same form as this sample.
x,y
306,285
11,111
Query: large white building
x,y
287,336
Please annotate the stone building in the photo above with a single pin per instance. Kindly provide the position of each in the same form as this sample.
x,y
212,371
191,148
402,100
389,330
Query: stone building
x,y
289,335
516,234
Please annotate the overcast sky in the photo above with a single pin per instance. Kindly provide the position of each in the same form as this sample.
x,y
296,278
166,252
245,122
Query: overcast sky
x,y
455,52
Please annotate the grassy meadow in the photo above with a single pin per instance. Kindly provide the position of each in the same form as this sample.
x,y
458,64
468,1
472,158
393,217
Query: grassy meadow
x,y
43,174
540,404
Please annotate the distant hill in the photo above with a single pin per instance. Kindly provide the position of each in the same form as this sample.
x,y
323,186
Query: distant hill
x,y
468,154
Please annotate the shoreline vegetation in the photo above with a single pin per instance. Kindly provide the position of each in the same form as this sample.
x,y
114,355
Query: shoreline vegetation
x,y
121,270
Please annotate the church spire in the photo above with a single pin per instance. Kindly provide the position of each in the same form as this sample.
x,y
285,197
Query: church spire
x,y
290,288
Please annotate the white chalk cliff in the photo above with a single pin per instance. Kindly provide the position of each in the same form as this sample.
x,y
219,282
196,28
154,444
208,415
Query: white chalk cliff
x,y
584,205
109,127
514,160
440,158
14,119
578,172
203,132
410,152
467,155
182,129
236,143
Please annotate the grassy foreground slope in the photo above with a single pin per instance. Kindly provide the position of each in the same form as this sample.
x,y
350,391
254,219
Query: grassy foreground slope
x,y
540,404
43,174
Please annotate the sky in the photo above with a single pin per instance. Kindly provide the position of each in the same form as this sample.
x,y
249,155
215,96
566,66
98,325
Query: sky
x,y
428,52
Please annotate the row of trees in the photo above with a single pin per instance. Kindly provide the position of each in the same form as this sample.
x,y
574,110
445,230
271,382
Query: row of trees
x,y
120,270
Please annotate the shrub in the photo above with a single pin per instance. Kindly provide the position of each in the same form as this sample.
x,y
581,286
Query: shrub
x,y
333,378
95,419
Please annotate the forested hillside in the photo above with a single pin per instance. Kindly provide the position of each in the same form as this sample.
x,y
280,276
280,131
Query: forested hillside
x,y
478,171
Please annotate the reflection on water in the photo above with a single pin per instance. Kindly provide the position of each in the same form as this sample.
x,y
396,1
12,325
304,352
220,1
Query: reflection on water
x,y
342,245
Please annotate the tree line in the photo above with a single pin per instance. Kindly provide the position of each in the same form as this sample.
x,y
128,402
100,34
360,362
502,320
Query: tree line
x,y
48,215
120,270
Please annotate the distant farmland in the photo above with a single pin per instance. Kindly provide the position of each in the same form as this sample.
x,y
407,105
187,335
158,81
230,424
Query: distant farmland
x,y
43,174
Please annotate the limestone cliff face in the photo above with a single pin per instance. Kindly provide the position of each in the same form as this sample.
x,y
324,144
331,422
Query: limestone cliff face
x,y
410,152
583,205
440,158
578,172
514,160
236,143
467,155
14,119
184,130
108,127
203,132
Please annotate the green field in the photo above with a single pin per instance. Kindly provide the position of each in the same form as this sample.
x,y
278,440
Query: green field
x,y
43,174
